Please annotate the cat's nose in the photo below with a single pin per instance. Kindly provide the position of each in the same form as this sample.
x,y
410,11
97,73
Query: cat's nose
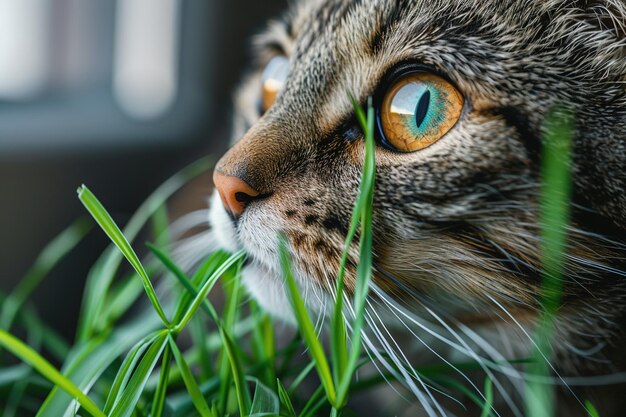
x,y
234,192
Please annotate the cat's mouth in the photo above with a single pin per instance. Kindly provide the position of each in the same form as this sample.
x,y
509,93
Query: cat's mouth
x,y
255,233
222,225
261,273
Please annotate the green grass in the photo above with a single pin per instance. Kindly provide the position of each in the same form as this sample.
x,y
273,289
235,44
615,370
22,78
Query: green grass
x,y
554,206
184,356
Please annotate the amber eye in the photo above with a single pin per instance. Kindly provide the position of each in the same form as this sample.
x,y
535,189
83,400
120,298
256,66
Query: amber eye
x,y
417,110
272,80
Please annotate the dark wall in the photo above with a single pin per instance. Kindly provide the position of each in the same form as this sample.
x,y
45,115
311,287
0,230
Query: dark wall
x,y
38,186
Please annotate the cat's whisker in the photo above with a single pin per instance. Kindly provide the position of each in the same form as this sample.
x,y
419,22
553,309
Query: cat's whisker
x,y
190,251
384,298
407,376
403,359
501,365
399,373
596,265
504,367
587,353
465,349
367,346
400,365
512,258
534,343
189,221
407,363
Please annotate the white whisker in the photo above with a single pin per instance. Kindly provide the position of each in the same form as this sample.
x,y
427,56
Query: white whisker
x,y
534,343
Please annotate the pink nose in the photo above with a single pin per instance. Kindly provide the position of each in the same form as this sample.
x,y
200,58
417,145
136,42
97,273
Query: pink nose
x,y
234,192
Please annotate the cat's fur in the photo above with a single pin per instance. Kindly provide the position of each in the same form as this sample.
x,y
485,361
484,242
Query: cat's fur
x,y
456,224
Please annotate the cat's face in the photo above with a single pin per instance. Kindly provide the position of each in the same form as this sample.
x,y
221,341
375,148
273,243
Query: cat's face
x,y
457,217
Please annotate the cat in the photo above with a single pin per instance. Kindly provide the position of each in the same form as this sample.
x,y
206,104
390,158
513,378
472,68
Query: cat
x,y
462,90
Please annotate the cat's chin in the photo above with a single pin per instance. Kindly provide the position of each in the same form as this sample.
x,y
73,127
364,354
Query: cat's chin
x,y
261,275
262,282
268,290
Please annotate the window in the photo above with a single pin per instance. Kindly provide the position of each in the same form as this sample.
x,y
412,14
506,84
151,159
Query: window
x,y
93,73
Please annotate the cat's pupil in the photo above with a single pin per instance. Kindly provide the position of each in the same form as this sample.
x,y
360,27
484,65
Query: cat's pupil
x,y
422,108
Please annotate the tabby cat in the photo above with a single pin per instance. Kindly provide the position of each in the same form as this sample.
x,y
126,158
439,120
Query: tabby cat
x,y
461,90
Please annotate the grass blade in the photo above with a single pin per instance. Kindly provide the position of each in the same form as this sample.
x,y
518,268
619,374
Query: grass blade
x,y
591,409
265,401
160,226
285,400
178,273
51,255
314,403
125,370
263,343
364,209
243,396
158,402
10,375
206,288
204,273
488,405
28,355
101,276
38,334
102,217
87,361
198,338
200,300
121,297
305,325
301,377
230,287
554,214
126,405
190,382
207,270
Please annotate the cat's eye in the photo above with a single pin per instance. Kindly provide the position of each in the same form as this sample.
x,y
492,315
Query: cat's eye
x,y
272,80
417,110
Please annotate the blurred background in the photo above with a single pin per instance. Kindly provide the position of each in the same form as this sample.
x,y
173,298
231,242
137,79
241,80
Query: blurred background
x,y
116,94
